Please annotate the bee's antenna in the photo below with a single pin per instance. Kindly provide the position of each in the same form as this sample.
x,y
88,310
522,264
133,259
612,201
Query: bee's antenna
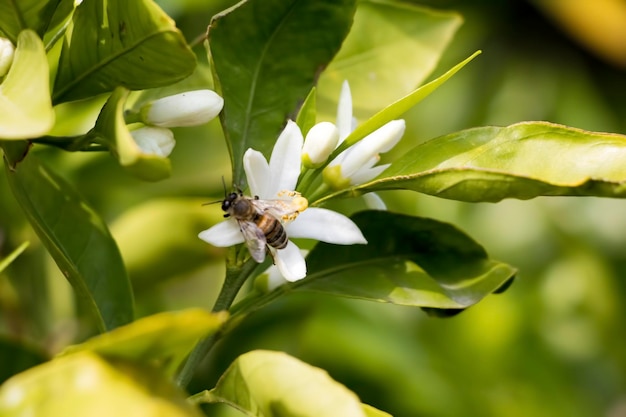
x,y
225,194
212,202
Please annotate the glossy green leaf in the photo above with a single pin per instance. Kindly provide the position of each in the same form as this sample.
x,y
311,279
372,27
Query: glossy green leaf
x,y
266,383
267,56
120,43
85,384
398,108
161,340
6,261
16,16
16,357
523,161
409,261
111,127
307,116
58,24
77,238
385,64
25,105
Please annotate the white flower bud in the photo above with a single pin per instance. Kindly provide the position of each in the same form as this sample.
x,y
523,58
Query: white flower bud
x,y
7,51
185,109
319,143
154,140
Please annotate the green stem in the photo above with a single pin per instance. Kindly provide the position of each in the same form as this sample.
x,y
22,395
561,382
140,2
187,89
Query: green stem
x,y
236,275
83,143
199,40
306,180
318,194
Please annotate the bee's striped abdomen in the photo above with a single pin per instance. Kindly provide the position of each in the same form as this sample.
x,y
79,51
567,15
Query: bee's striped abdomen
x,y
275,234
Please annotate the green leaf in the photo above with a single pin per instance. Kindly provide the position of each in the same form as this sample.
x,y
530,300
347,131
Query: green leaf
x,y
523,161
266,58
25,106
11,257
16,16
398,108
85,384
77,238
120,43
112,128
384,64
409,261
161,340
307,116
374,412
16,358
266,383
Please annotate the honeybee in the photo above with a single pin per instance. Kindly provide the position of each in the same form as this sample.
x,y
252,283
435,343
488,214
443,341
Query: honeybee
x,y
261,221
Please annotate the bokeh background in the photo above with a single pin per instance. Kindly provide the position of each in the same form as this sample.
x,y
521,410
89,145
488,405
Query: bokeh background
x,y
554,344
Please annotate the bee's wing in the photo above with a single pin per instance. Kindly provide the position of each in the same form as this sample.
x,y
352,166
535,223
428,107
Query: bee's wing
x,y
255,240
281,209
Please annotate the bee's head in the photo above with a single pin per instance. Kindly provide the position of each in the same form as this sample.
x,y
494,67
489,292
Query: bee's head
x,y
227,204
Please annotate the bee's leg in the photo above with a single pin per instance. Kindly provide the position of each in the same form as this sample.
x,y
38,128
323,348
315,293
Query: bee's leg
x,y
271,254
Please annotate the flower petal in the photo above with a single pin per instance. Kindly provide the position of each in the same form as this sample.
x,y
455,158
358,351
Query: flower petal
x,y
366,174
290,262
326,226
272,278
285,160
344,112
374,202
381,140
223,234
157,141
257,173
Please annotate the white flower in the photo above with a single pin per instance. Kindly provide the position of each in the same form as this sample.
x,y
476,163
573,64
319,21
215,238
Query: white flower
x,y
319,143
272,278
7,51
268,181
185,109
154,140
357,164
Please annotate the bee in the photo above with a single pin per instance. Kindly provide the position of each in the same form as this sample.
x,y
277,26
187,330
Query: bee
x,y
262,221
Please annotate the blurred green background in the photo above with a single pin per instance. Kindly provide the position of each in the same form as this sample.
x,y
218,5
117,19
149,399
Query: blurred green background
x,y
554,344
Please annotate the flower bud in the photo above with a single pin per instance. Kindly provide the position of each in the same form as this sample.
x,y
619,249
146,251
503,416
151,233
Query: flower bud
x,y
154,140
7,51
185,109
319,143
